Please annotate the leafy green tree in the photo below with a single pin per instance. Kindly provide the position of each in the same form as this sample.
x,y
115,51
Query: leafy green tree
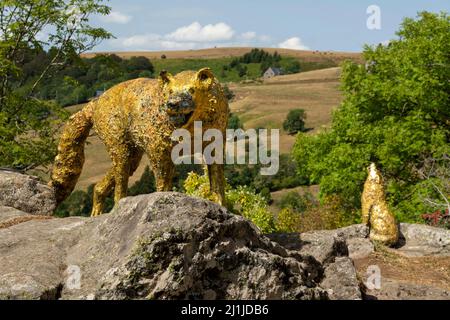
x,y
28,124
292,67
295,121
395,113
234,122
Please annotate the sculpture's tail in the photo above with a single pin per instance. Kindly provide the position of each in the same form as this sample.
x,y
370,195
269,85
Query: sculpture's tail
x,y
70,159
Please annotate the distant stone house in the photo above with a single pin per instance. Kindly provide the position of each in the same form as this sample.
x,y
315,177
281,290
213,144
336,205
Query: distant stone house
x,y
272,72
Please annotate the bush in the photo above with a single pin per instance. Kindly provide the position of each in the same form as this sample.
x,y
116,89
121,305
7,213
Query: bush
x,y
332,214
228,93
296,201
288,220
234,122
295,121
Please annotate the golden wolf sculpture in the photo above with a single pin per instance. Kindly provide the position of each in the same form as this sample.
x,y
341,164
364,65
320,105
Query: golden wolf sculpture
x,y
137,117
375,210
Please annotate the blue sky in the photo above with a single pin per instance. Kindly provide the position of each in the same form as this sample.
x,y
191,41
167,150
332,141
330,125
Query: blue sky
x,y
301,24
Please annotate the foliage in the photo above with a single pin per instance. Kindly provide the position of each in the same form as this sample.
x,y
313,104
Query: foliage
x,y
288,220
249,175
439,218
252,206
297,202
228,93
28,124
234,122
331,214
395,113
241,200
80,79
295,121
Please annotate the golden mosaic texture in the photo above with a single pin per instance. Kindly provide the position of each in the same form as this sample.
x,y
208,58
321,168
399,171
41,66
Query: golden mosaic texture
x,y
137,117
375,211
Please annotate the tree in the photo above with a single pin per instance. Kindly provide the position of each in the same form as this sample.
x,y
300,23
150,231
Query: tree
x,y
295,201
136,65
234,122
295,121
28,124
395,113
292,67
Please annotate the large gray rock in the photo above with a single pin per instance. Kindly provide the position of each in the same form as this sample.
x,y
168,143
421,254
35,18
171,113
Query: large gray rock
x,y
341,280
26,193
330,248
419,240
158,246
400,290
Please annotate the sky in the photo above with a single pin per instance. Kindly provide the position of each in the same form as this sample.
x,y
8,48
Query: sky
x,y
325,25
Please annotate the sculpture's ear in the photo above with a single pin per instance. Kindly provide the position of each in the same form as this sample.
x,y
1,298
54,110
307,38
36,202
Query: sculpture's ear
x,y
165,77
205,75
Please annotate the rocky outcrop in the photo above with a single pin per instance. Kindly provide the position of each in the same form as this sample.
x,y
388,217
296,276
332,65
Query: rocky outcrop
x,y
421,240
171,246
330,248
26,193
158,246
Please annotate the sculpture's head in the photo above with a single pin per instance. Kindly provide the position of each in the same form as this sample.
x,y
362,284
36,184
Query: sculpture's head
x,y
374,174
186,93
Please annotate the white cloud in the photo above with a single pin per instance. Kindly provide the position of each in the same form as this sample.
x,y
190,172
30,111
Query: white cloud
x,y
293,43
250,35
116,17
197,36
195,32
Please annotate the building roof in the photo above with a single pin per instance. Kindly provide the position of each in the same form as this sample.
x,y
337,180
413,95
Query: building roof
x,y
276,71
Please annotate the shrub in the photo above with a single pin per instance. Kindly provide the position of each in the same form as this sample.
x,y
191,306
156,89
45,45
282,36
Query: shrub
x,y
228,93
331,214
296,201
288,220
295,121
234,122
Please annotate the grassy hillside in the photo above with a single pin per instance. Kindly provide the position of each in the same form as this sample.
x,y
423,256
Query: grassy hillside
x,y
267,105
215,53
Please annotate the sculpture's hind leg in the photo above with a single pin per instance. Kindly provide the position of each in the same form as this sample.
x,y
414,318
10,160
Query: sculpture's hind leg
x,y
101,191
104,188
121,157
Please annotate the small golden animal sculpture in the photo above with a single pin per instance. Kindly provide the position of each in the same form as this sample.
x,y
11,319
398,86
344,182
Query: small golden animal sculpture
x,y
137,117
375,211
